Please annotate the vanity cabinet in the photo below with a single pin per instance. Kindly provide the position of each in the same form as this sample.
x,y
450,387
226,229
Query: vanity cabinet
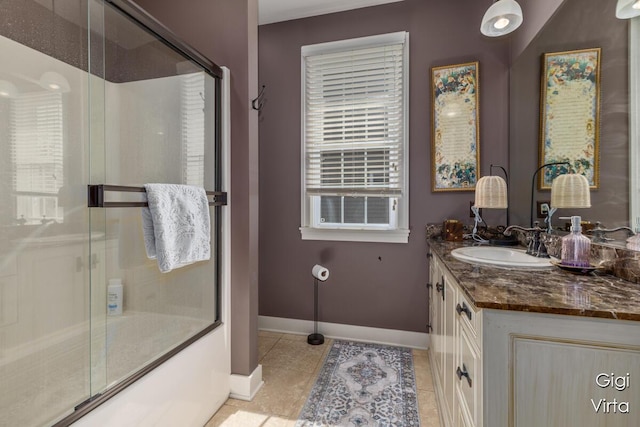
x,y
558,370
47,295
511,368
455,350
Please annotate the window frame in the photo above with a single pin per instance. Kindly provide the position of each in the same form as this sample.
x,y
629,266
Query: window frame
x,y
398,229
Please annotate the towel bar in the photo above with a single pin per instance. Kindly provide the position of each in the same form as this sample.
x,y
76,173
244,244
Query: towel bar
x,y
96,197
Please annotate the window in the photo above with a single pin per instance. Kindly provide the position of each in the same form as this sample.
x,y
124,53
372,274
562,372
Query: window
x,y
355,149
192,119
37,137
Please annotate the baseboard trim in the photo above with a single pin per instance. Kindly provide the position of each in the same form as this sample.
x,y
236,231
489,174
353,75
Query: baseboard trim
x,y
418,340
245,387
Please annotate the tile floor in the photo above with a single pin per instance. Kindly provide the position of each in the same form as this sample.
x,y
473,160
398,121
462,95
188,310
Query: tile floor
x,y
289,370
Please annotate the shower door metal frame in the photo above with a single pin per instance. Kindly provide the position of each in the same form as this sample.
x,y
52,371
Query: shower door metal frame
x,y
148,22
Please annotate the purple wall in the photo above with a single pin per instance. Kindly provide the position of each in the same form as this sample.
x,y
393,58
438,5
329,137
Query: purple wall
x,y
371,284
536,13
226,32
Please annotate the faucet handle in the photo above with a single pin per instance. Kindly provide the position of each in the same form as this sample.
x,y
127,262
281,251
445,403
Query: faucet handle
x,y
599,232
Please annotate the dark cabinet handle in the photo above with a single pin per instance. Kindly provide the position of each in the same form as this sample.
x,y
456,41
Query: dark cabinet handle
x,y
440,288
465,309
463,373
429,286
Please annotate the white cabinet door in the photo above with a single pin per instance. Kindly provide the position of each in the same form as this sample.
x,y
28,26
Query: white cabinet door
x,y
449,337
437,281
469,375
53,290
559,383
543,370
442,343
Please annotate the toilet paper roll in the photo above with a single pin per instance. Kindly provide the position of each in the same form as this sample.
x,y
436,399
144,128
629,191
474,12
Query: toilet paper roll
x,y
320,273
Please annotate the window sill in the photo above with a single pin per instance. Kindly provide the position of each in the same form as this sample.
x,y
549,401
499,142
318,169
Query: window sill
x,y
348,235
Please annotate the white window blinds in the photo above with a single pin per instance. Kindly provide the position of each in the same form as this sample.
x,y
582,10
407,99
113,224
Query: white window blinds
x,y
354,120
192,119
37,143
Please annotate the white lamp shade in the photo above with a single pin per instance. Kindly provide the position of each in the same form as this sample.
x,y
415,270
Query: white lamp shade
x,y
503,17
491,192
626,9
570,191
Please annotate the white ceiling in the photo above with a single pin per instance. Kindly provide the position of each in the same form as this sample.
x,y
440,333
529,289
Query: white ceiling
x,y
284,10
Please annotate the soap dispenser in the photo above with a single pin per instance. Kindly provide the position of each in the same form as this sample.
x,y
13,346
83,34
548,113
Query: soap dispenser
x,y
575,246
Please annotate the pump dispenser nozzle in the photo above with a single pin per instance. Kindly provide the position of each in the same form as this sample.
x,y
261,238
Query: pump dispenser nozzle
x,y
576,223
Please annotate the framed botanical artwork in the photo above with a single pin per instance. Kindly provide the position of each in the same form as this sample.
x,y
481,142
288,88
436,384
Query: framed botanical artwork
x,y
455,144
570,115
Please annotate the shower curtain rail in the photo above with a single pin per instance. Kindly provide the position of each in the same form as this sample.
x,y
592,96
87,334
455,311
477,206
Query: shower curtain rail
x,y
96,197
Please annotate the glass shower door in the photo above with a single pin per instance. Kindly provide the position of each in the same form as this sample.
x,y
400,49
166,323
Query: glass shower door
x,y
45,261
156,125
92,98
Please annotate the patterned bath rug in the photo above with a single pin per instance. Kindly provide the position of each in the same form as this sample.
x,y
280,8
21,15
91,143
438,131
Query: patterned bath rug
x,y
363,384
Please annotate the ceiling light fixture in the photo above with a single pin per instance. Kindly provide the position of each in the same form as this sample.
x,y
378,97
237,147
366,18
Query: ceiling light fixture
x,y
7,89
626,9
503,17
53,81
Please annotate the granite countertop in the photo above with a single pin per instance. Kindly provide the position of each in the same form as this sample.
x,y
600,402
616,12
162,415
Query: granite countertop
x,y
543,291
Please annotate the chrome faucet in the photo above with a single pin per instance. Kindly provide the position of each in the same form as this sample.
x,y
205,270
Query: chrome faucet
x,y
536,246
599,232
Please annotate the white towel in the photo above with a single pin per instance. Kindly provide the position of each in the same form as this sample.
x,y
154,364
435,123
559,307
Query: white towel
x,y
176,226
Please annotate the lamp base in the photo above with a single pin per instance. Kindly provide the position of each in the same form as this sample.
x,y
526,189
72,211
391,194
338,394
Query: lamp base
x,y
315,339
504,241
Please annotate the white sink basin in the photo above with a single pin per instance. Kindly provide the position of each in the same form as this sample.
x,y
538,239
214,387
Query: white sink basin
x,y
503,257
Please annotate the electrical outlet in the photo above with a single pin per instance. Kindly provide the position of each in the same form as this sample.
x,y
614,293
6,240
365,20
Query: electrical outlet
x,y
542,208
471,214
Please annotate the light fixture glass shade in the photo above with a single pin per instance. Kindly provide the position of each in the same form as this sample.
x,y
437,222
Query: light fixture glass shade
x,y
50,80
491,192
626,9
8,89
570,191
503,17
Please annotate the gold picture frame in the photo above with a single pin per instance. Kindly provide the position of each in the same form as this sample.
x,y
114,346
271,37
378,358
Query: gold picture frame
x,y
455,118
570,115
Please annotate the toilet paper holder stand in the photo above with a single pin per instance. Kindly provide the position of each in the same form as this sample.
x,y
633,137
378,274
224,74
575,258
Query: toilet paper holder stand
x,y
315,338
319,274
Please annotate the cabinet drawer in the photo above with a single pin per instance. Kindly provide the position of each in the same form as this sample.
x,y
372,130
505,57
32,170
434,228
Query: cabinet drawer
x,y
469,375
468,315
464,419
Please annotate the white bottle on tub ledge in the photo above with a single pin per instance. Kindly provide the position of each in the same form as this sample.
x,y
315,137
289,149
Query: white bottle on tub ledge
x,y
114,297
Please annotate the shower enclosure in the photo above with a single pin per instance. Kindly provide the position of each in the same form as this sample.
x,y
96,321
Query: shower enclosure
x,y
95,92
